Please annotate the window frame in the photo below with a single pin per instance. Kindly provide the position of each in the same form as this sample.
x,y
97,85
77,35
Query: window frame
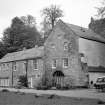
x,y
35,64
6,66
3,66
54,63
65,63
14,66
65,46
0,67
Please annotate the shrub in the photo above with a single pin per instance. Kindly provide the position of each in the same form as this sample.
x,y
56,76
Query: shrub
x,y
5,90
101,102
69,82
43,84
51,96
23,82
66,87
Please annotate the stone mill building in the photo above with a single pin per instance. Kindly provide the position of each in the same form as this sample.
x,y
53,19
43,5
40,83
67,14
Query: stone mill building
x,y
71,55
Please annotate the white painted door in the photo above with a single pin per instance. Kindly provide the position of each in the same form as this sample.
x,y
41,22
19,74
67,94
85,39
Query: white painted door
x,y
30,82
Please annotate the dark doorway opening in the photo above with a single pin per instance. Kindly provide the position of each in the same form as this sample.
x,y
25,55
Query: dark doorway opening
x,y
58,79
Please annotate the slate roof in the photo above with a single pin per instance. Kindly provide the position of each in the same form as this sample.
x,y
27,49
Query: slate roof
x,y
25,54
39,52
99,69
86,33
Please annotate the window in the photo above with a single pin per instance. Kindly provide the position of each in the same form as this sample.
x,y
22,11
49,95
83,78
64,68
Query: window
x,y
0,67
14,66
65,46
65,62
54,63
35,64
25,64
3,66
30,80
7,66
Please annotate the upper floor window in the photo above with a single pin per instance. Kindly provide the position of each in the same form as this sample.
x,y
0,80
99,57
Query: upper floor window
x,y
65,46
65,62
0,67
3,65
7,64
54,63
35,64
14,66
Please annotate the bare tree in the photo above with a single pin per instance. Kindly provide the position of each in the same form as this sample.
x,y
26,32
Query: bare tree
x,y
101,10
51,15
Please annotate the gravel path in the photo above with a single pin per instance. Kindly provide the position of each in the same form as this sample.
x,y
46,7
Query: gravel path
x,y
84,93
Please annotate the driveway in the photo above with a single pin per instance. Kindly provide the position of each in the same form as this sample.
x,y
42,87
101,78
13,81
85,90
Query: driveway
x,y
80,93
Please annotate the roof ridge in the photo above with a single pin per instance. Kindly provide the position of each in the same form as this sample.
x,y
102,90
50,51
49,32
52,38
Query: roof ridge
x,y
86,33
24,54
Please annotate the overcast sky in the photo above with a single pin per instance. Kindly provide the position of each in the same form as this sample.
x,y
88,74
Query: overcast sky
x,y
76,12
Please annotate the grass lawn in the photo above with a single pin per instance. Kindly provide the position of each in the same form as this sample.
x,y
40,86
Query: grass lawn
x,y
19,98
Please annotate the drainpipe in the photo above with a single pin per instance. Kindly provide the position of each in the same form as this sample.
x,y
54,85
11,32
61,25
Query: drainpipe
x,y
26,67
12,74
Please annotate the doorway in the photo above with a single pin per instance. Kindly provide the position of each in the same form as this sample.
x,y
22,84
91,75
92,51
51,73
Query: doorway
x,y
58,79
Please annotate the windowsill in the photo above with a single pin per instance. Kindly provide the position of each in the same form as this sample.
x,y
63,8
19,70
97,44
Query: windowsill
x,y
65,67
14,70
35,69
53,67
65,49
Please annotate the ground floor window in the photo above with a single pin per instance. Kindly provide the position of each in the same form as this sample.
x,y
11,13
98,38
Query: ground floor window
x,y
4,82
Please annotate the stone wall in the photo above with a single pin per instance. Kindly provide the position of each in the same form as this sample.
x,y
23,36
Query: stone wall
x,y
54,49
13,75
94,52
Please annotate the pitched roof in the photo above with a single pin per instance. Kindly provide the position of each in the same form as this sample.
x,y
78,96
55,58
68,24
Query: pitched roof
x,y
96,69
86,33
25,54
82,32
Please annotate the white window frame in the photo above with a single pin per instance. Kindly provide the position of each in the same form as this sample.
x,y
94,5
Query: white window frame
x,y
14,66
65,45
35,64
65,63
54,63
31,81
0,67
6,66
24,66
3,66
